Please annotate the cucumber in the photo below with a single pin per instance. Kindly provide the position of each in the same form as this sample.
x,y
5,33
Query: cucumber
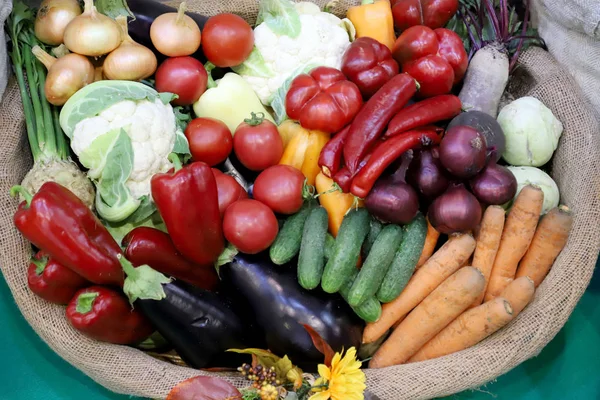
x,y
348,243
374,228
370,309
329,243
288,240
311,259
405,260
376,265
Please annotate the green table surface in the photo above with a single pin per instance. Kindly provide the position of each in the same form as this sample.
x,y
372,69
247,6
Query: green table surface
x,y
568,368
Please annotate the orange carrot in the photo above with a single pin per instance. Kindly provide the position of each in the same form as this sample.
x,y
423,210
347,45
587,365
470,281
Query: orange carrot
x,y
550,237
436,311
444,262
519,229
470,328
430,242
519,293
488,241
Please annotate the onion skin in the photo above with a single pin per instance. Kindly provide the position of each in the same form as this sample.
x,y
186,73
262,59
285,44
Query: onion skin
x,y
463,151
52,18
427,174
456,211
495,185
175,34
392,201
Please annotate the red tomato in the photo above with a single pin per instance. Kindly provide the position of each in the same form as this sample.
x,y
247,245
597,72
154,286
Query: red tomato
x,y
210,140
280,187
257,143
229,190
227,40
250,226
184,76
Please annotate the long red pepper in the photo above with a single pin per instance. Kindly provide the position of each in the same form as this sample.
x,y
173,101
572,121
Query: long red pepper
x,y
187,200
330,159
373,117
425,112
344,177
386,153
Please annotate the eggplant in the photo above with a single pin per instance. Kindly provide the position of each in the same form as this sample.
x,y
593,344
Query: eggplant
x,y
281,306
201,325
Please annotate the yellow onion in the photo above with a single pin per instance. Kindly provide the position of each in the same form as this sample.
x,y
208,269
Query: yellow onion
x,y
175,34
92,33
130,61
66,75
52,18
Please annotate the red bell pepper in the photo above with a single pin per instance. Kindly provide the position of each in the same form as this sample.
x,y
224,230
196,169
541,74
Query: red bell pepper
x,y
104,314
389,151
323,100
369,64
371,120
426,112
330,158
52,281
431,13
435,58
145,245
187,200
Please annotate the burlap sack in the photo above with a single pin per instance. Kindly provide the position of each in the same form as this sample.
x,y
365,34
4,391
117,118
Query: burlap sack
x,y
576,168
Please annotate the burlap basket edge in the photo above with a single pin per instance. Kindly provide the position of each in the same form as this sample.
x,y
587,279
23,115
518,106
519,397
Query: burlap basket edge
x,y
575,167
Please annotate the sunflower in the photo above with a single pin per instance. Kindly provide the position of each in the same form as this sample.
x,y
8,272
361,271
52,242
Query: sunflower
x,y
343,381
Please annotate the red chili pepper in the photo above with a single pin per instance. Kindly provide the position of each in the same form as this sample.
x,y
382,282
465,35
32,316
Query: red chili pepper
x,y
323,100
431,13
105,314
58,222
372,119
387,152
330,159
52,281
426,112
145,245
369,64
435,58
187,200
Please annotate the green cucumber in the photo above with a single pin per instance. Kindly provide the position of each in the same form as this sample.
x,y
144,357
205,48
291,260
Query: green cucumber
x,y
376,265
370,309
374,228
405,260
311,259
346,251
288,240
329,243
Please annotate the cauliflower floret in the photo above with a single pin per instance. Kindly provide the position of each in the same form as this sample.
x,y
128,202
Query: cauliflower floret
x,y
151,127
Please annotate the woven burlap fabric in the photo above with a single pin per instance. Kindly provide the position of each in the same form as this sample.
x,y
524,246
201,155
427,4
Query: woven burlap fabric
x,y
575,167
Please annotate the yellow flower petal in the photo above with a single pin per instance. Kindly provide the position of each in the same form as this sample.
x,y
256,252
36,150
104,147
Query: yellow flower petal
x,y
324,372
320,396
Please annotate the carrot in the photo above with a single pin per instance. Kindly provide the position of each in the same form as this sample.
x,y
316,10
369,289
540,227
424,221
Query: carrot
x,y
470,328
519,293
436,311
430,242
488,241
444,262
518,232
550,237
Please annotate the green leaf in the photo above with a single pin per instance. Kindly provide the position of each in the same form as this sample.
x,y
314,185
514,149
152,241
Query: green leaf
x,y
142,282
167,97
265,357
114,8
254,66
144,211
94,156
280,16
226,256
278,99
118,230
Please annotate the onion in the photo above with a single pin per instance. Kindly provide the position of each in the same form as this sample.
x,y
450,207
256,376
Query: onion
x,y
455,211
130,61
92,33
427,174
52,18
487,126
495,185
175,34
463,151
392,201
66,75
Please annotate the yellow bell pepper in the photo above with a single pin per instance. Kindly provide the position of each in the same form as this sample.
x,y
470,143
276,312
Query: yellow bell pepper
x,y
302,149
334,202
373,18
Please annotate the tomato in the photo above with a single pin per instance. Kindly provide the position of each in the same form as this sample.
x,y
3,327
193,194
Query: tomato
x,y
210,140
280,188
257,143
227,40
184,76
229,190
250,226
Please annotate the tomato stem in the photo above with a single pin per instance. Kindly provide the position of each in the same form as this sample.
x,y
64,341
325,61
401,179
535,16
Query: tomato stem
x,y
255,119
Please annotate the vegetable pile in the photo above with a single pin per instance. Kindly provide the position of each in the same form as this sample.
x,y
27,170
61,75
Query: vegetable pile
x,y
306,185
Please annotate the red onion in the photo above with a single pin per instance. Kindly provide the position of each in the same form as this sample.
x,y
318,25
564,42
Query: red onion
x,y
392,201
495,185
463,151
455,211
487,126
427,174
